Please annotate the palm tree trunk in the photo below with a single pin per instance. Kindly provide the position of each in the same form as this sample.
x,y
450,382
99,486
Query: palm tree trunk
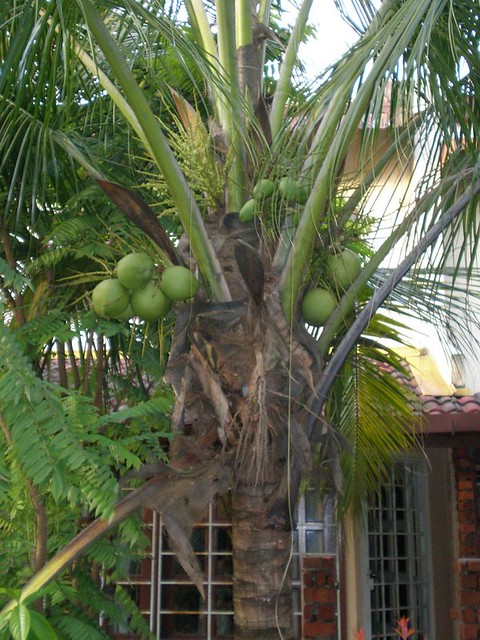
x,y
261,558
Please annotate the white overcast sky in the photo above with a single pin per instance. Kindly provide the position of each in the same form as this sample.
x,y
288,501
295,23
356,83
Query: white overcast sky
x,y
333,36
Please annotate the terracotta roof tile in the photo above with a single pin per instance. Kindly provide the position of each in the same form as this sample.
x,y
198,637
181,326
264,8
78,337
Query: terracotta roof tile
x,y
450,404
443,414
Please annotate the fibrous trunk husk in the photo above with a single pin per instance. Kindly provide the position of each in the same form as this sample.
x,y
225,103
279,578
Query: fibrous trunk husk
x,y
241,379
261,562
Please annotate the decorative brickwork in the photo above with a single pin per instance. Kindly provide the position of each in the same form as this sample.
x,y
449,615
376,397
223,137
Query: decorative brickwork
x,y
319,598
466,463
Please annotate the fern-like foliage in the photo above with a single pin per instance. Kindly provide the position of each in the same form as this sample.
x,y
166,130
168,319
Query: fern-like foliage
x,y
67,614
11,278
56,441
46,433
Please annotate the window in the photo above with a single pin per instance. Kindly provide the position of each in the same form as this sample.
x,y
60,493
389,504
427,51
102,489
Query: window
x,y
172,604
180,611
315,526
398,554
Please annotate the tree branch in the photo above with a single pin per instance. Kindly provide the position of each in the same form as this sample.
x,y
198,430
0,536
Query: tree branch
x,y
41,533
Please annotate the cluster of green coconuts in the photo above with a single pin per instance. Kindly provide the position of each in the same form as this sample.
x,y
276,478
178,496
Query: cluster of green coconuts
x,y
136,291
291,190
341,270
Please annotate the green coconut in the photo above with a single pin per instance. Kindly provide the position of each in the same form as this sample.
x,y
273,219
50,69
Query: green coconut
x,y
264,188
135,270
110,298
247,212
303,193
317,306
150,303
179,283
344,267
127,314
289,189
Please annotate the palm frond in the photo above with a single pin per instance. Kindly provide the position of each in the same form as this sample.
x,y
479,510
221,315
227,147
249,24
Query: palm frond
x,y
374,432
362,89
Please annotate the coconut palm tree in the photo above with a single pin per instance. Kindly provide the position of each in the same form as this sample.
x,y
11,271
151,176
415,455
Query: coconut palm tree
x,y
249,173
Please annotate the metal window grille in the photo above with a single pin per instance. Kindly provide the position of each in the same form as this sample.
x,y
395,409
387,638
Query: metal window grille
x,y
397,539
178,611
172,604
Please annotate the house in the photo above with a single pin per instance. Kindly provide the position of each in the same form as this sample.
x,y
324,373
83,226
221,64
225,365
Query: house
x,y
416,552
419,553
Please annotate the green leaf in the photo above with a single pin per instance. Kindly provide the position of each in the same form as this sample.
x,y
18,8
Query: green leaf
x,y
3,624
75,629
5,634
12,278
41,627
13,594
20,622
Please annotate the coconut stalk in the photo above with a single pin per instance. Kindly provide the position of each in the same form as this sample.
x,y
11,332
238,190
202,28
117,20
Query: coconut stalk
x,y
337,141
232,105
284,83
199,21
187,208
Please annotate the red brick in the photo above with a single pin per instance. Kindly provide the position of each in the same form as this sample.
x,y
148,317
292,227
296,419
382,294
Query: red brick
x,y
465,495
467,543
469,631
322,577
311,562
467,527
326,613
470,598
466,516
474,565
319,595
469,615
469,581
463,463
465,485
316,629
309,579
308,613
331,580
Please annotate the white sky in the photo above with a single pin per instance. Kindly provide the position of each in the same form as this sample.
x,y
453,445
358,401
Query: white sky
x,y
333,36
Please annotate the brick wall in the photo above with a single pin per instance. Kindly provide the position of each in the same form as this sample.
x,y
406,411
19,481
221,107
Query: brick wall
x,y
319,598
466,461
